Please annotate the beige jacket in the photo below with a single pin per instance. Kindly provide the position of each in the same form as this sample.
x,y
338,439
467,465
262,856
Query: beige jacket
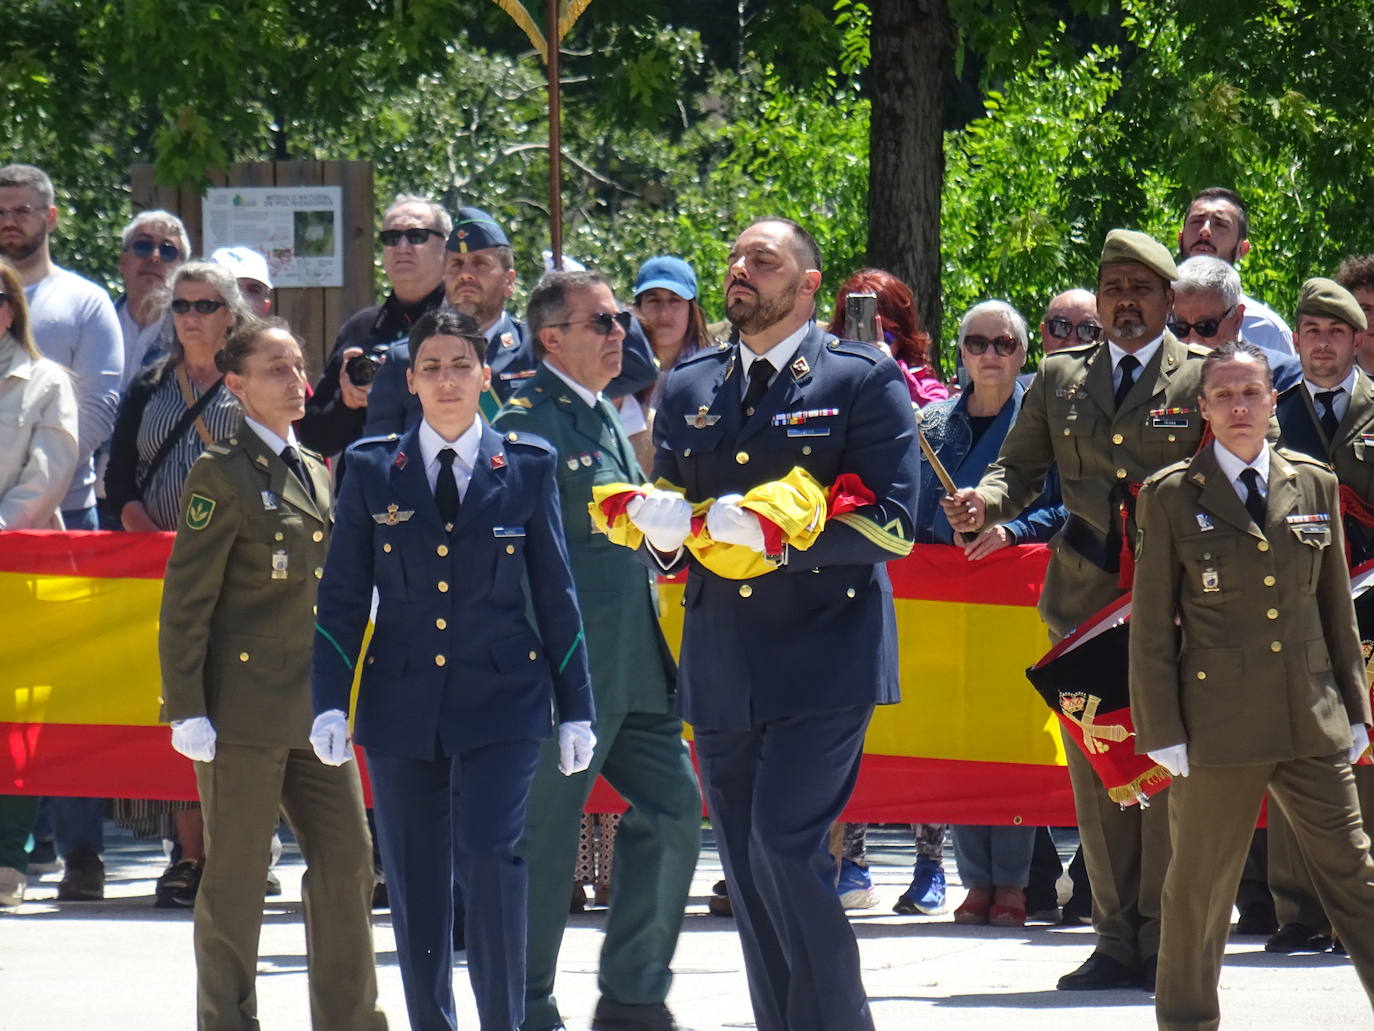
x,y
38,449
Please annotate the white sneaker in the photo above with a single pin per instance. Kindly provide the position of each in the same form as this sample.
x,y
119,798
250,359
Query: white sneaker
x,y
12,885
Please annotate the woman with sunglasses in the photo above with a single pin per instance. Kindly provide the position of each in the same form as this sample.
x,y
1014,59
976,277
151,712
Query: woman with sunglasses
x,y
899,327
174,410
966,434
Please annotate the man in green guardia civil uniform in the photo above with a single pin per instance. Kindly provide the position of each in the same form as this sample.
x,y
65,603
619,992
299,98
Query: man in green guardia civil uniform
x,y
578,329
1108,414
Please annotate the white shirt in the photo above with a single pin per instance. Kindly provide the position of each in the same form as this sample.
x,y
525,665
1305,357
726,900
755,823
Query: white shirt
x,y
1232,467
779,356
274,442
1341,401
431,443
577,388
1142,355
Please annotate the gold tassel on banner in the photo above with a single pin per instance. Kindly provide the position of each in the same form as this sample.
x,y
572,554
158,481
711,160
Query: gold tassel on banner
x,y
1130,794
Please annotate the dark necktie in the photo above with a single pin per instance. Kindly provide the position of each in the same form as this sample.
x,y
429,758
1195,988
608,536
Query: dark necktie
x,y
293,462
1127,366
1254,500
1329,421
759,374
446,488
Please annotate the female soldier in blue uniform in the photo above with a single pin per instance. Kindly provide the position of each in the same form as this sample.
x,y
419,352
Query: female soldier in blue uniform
x,y
451,521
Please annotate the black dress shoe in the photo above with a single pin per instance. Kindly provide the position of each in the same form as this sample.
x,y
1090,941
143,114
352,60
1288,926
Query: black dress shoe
x,y
1148,969
1297,938
1257,921
622,1016
1099,972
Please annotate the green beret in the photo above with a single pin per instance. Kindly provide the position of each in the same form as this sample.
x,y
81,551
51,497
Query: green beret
x,y
1126,245
1328,298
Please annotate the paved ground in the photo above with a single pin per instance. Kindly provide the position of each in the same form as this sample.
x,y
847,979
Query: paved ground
x,y
123,965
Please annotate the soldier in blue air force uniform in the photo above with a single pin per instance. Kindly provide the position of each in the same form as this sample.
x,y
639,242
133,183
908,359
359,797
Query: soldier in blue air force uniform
x,y
451,522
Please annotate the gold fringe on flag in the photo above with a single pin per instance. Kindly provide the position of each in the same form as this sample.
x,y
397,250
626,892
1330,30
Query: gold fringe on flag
x,y
1129,794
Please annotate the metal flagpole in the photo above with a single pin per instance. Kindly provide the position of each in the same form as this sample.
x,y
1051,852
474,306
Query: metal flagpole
x,y
555,144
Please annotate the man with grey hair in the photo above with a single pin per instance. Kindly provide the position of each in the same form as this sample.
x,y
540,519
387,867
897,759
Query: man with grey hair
x,y
1209,310
412,237
75,325
150,249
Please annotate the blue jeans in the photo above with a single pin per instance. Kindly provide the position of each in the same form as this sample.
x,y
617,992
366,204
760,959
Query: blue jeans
x,y
989,856
81,518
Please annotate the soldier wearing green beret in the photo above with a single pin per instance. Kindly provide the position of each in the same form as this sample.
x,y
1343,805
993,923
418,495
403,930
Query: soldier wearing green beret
x,y
1108,413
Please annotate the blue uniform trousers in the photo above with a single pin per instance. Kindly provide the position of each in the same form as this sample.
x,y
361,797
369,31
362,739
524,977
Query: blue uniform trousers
x,y
773,791
466,811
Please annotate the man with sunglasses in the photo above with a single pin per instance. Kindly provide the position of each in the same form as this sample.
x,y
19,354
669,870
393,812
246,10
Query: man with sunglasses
x,y
151,248
412,240
74,324
1217,223
578,330
1108,414
479,279
1070,319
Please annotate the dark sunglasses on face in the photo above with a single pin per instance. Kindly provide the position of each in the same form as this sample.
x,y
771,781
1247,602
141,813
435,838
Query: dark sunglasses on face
x,y
1060,328
166,252
416,237
180,306
1002,345
1205,328
601,322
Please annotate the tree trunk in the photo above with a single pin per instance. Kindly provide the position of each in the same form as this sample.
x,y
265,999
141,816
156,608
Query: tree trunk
x,y
912,45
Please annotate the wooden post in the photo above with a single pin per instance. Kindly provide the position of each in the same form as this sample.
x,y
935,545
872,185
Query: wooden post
x,y
555,142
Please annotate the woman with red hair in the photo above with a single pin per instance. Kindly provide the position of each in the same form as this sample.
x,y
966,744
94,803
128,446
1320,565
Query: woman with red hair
x,y
899,326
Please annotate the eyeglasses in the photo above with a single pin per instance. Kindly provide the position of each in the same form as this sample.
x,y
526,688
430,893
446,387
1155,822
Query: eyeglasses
x,y
1002,345
1060,327
23,211
168,253
1205,328
601,322
180,306
415,237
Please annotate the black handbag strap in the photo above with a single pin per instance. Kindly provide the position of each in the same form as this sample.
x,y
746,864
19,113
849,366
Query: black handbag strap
x,y
182,425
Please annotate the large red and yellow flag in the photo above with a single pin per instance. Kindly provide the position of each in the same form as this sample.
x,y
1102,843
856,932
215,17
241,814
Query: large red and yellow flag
x,y
971,742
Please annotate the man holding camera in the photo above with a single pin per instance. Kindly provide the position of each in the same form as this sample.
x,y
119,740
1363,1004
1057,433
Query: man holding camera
x,y
413,233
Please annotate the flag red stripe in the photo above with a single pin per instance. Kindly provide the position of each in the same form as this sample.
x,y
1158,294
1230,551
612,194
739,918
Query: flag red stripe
x,y
141,556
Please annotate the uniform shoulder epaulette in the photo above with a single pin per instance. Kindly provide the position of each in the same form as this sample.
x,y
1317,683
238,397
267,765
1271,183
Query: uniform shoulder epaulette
x,y
307,451
1073,351
1301,458
529,440
1160,475
717,351
387,438
528,397
855,349
217,449
1198,351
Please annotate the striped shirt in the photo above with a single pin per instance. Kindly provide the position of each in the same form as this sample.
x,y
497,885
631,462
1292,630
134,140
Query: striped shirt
x,y
223,416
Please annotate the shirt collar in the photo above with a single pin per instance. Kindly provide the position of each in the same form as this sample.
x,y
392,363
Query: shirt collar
x,y
577,388
1347,384
779,355
431,443
1232,466
494,330
1142,354
274,443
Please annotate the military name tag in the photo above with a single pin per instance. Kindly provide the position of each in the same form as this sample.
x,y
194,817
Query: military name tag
x,y
392,515
1169,422
508,531
1211,580
808,431
279,563
1313,530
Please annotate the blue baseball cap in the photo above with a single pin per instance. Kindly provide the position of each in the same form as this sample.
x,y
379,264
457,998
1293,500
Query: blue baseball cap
x,y
473,231
666,273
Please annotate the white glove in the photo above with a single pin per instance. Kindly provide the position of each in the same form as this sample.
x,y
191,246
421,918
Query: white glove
x,y
664,517
194,738
1174,759
329,737
1360,734
730,524
575,744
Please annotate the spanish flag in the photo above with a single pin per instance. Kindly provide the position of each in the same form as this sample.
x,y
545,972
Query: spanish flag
x,y
971,742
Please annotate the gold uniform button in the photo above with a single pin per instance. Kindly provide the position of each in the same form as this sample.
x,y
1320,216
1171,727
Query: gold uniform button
x,y
850,593
279,536
371,659
1172,438
1201,675
439,660
315,610
1262,546
317,536
1206,555
533,656
243,656
441,624
742,458
512,436
686,452
443,586
1276,646
510,549
1273,613
806,450
386,548
1067,431
1117,438
319,572
441,550
1269,581
1121,474
745,590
